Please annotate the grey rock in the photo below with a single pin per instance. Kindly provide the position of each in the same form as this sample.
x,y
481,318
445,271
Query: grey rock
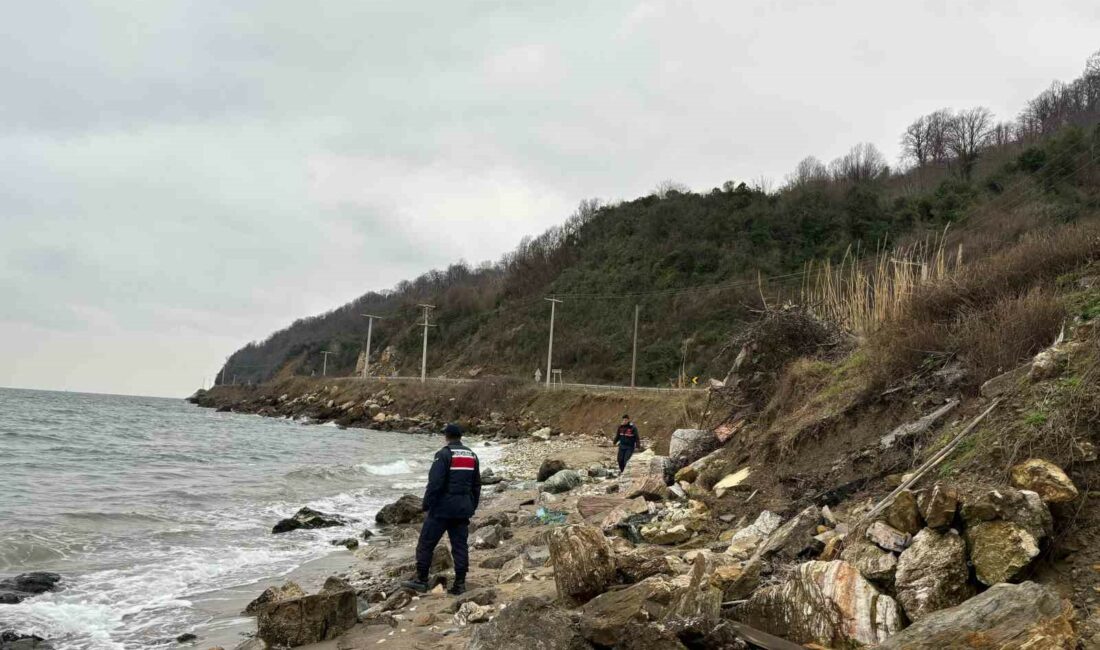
x,y
689,445
529,624
562,481
406,510
932,574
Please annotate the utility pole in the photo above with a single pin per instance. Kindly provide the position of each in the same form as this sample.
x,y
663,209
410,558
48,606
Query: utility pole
x,y
324,366
634,357
424,357
366,355
550,348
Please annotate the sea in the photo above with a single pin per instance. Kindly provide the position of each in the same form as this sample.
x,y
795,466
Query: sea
x,y
157,513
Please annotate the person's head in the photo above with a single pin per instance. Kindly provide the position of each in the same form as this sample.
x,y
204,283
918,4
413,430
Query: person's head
x,y
452,432
626,419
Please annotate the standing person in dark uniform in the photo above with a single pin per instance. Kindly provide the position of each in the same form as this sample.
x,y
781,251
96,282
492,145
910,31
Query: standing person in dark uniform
x,y
452,496
627,438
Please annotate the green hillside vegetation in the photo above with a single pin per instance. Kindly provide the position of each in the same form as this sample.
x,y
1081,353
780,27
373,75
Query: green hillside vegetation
x,y
700,266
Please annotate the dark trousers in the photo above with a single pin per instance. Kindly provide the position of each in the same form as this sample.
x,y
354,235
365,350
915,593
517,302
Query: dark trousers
x,y
458,530
624,455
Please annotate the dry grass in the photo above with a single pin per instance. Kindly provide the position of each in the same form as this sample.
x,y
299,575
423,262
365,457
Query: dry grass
x,y
993,313
861,295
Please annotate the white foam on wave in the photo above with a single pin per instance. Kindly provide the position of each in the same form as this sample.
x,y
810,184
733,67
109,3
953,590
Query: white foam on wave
x,y
400,466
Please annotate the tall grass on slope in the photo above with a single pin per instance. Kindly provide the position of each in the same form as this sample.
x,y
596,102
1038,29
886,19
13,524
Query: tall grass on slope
x,y
862,295
991,313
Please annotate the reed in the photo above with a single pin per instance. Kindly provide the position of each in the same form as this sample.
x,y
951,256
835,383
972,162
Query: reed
x,y
861,293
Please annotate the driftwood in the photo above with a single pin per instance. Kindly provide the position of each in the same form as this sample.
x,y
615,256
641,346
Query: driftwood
x,y
932,462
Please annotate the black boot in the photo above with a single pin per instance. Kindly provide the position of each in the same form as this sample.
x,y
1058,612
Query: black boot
x,y
459,587
418,584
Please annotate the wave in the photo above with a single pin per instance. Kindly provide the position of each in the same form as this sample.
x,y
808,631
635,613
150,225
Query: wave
x,y
400,466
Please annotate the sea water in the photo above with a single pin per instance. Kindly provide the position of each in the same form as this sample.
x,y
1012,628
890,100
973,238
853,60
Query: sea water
x,y
147,506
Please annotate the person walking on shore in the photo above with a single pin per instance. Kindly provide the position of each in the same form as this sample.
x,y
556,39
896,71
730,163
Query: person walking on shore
x,y
452,496
627,438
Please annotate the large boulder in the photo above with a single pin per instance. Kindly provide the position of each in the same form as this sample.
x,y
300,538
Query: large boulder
x,y
1009,617
549,467
16,641
873,563
25,585
1000,550
902,513
646,475
562,481
938,505
529,624
744,542
828,603
643,562
1022,507
795,538
689,445
1045,479
932,574
274,595
309,619
583,563
605,617
406,510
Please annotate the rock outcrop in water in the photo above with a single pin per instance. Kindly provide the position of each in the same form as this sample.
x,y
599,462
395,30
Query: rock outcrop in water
x,y
307,518
16,641
23,586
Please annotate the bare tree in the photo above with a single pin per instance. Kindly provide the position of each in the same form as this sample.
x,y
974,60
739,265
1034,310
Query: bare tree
x,y
915,145
967,132
809,170
863,162
666,187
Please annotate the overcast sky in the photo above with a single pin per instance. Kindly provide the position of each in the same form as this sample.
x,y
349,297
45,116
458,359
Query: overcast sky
x,y
179,178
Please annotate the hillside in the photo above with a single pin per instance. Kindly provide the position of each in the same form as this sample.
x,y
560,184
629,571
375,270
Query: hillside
x,y
701,266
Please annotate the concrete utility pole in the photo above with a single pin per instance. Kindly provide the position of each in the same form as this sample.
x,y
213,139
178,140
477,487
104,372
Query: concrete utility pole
x,y
550,349
424,357
634,357
324,366
366,355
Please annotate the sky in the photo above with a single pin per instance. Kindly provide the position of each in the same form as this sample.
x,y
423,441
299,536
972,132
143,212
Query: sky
x,y
178,178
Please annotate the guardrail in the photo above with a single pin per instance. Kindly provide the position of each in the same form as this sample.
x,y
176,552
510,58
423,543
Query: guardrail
x,y
556,386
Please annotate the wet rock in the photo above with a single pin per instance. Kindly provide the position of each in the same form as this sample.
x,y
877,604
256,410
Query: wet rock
x,y
827,603
470,612
795,538
366,534
273,595
15,641
562,481
187,637
646,475
549,467
938,505
349,543
932,574
887,537
689,445
733,481
1022,507
529,624
25,585
1045,479
583,562
872,562
406,510
488,536
309,619
745,541
1021,617
902,514
1000,550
